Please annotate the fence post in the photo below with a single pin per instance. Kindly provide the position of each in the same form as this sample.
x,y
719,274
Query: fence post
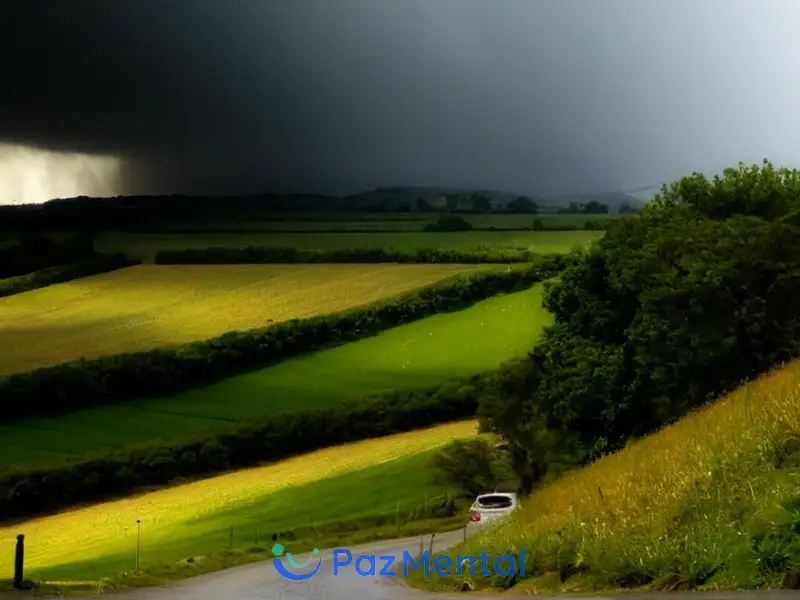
x,y
421,545
19,557
138,541
430,550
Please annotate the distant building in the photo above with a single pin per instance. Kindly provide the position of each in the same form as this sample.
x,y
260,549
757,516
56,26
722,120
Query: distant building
x,y
439,203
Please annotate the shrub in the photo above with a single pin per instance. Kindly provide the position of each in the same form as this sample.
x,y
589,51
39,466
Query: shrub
x,y
594,225
451,223
471,466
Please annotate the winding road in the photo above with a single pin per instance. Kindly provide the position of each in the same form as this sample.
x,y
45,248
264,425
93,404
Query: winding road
x,y
260,581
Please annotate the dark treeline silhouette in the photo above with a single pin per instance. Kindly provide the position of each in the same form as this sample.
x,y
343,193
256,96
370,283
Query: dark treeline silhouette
x,y
94,265
149,213
132,213
34,252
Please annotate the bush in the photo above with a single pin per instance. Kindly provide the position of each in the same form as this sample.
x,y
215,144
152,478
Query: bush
x,y
538,225
471,466
38,491
80,384
101,263
595,225
451,223
267,255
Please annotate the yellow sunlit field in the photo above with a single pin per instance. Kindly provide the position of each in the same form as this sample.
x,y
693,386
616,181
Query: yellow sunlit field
x,y
149,306
333,484
665,509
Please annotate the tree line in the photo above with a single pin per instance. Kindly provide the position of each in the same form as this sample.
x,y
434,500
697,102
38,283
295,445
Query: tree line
x,y
84,383
34,252
33,492
268,255
670,309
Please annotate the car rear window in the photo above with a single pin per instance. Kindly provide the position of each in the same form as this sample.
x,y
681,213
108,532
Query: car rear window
x,y
495,502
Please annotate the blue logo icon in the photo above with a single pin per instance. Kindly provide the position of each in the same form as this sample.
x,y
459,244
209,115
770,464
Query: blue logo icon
x,y
277,550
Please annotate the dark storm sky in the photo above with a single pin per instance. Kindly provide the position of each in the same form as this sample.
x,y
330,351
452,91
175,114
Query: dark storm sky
x,y
336,96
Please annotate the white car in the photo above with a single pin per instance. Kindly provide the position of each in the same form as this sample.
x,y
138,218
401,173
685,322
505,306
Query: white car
x,y
489,508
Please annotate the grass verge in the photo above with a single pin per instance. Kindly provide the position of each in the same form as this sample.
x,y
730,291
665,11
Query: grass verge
x,y
710,502
346,534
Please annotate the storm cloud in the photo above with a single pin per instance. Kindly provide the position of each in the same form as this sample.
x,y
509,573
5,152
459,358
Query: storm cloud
x,y
546,96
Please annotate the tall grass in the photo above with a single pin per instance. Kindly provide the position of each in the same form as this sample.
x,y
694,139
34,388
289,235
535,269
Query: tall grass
x,y
712,501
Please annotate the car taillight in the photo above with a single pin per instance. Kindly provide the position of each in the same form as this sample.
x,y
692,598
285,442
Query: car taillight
x,y
474,516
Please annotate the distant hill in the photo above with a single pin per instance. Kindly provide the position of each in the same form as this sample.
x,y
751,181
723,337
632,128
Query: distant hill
x,y
131,212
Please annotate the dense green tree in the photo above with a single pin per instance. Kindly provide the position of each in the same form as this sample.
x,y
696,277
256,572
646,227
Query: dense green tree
x,y
669,309
522,204
452,223
469,466
480,202
594,207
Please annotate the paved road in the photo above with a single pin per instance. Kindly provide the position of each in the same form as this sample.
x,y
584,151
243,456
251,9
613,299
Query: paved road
x,y
259,581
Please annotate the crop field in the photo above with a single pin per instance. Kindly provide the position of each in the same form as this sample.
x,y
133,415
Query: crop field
x,y
711,500
149,306
145,245
195,518
415,355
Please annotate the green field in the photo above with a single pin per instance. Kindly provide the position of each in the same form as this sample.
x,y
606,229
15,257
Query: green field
x,y
331,485
149,306
415,355
145,245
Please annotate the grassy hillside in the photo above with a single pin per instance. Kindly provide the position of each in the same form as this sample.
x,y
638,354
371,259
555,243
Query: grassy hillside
x,y
712,501
415,355
145,245
335,484
150,306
